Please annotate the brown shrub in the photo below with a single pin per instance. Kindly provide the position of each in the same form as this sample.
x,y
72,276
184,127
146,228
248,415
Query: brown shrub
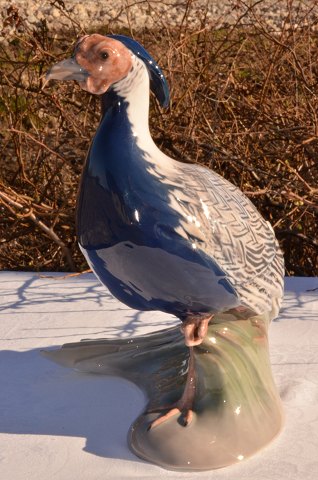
x,y
244,103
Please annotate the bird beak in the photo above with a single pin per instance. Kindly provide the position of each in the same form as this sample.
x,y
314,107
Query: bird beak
x,y
68,69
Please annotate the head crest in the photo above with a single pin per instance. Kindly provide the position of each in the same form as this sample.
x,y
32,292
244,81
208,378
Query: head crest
x,y
158,82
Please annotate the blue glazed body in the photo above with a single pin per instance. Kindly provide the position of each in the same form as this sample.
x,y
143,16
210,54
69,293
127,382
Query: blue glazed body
x,y
127,228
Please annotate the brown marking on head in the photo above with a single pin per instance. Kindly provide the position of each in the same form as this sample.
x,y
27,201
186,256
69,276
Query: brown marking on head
x,y
105,59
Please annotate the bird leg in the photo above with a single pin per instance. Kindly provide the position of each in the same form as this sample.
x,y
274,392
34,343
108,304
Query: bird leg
x,y
184,404
194,330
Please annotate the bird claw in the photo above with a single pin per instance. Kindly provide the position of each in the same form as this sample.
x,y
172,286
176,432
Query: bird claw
x,y
184,405
186,415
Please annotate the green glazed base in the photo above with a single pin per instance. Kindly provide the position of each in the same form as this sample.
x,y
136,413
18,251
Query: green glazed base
x,y
237,409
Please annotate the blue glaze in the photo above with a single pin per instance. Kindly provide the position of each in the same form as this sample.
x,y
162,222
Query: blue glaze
x,y
158,82
139,256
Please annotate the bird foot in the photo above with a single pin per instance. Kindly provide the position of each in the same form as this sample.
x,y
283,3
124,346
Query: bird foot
x,y
184,405
195,329
185,412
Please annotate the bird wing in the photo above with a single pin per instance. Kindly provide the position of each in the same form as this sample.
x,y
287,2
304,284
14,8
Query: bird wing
x,y
217,218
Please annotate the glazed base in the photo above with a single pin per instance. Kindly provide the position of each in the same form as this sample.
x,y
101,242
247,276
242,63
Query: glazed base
x,y
237,410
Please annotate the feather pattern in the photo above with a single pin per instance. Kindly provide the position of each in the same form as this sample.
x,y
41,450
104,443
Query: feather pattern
x,y
221,221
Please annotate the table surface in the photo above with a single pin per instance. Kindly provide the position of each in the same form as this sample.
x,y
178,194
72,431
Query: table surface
x,y
58,423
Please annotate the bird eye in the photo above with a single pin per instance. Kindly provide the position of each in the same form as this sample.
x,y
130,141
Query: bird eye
x,y
104,55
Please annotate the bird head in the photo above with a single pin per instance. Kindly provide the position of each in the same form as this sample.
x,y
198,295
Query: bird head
x,y
100,61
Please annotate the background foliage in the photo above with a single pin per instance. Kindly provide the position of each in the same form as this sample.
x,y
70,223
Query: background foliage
x,y
243,102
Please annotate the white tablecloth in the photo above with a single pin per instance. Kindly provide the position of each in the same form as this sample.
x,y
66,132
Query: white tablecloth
x,y
56,423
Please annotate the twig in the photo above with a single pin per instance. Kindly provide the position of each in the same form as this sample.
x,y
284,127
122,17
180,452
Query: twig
x,y
36,141
69,275
293,233
28,214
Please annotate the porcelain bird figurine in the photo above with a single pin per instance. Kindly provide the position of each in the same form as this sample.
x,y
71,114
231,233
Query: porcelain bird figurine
x,y
160,234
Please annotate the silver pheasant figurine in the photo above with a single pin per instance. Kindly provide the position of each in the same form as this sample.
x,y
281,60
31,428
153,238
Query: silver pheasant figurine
x,y
160,234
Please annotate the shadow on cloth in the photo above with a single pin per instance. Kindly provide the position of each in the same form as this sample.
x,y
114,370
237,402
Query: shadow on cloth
x,y
40,398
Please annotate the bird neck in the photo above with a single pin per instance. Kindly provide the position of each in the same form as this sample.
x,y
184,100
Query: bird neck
x,y
129,99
